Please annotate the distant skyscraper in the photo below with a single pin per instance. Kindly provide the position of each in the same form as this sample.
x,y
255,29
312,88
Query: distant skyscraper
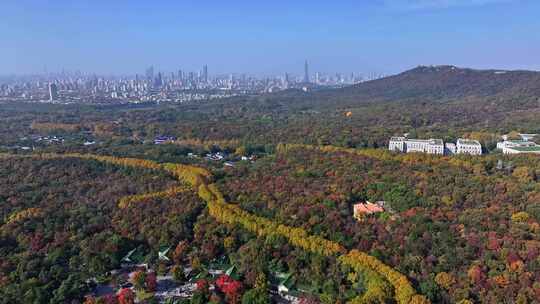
x,y
53,92
150,73
205,74
158,81
306,72
180,75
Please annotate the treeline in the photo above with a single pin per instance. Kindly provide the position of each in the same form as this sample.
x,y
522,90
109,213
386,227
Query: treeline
x,y
52,126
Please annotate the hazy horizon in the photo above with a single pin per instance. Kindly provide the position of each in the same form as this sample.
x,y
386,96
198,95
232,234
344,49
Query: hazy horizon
x,y
385,37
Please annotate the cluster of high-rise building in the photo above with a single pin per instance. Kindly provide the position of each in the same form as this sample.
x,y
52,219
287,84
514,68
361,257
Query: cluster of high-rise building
x,y
435,146
177,86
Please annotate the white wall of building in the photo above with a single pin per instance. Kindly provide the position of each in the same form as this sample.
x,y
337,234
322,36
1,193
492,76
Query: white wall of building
x,y
468,146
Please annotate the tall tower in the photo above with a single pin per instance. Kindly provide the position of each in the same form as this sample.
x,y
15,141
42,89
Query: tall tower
x,y
306,72
180,75
205,74
53,92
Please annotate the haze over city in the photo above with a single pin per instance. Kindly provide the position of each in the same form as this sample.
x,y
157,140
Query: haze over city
x,y
266,38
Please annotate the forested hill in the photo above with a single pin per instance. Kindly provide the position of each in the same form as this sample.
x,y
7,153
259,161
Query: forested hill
x,y
441,83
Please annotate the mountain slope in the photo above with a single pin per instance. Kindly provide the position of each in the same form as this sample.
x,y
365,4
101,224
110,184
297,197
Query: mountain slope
x,y
443,83
440,83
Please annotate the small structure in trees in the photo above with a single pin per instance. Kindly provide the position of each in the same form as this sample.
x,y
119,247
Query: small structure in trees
x,y
362,209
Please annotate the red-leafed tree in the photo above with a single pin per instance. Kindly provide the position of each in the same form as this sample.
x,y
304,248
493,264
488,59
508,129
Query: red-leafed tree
x,y
126,296
202,285
230,287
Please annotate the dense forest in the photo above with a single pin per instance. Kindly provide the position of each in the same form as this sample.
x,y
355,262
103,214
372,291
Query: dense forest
x,y
269,196
61,226
469,223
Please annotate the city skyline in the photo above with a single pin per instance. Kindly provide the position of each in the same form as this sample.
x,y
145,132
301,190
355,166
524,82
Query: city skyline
x,y
301,74
385,37
158,86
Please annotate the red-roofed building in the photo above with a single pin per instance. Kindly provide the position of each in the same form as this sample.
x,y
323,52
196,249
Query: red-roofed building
x,y
367,208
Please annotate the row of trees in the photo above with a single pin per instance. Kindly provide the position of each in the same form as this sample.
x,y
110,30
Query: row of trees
x,y
229,213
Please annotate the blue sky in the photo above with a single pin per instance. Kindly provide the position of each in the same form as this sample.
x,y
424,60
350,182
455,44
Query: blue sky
x,y
267,37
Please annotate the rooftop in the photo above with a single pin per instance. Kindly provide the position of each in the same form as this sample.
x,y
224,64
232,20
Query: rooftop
x,y
527,149
464,141
367,208
436,141
432,141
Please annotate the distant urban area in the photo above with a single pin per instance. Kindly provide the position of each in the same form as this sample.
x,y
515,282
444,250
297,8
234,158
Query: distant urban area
x,y
157,86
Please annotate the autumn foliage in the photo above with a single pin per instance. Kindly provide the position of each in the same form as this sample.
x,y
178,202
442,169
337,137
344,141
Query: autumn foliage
x,y
126,296
231,288
198,178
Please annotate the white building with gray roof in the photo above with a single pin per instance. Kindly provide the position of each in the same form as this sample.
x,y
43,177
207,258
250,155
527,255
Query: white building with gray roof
x,y
429,146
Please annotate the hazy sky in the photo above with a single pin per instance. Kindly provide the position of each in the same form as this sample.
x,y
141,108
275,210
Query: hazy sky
x,y
267,37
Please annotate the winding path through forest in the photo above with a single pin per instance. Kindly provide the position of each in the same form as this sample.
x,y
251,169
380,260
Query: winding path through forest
x,y
382,282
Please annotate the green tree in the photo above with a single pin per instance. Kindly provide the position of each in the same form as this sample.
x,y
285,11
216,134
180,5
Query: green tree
x,y
70,289
402,198
256,296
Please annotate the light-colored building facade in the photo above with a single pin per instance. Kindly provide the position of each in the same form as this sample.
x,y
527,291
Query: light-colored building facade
x,y
430,146
468,146
435,146
518,147
397,144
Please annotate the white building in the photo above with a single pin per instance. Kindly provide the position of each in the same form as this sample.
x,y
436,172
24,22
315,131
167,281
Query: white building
x,y
429,146
435,146
397,144
518,147
468,146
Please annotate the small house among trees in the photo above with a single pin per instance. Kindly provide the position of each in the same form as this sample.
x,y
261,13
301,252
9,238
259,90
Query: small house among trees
x,y
362,209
